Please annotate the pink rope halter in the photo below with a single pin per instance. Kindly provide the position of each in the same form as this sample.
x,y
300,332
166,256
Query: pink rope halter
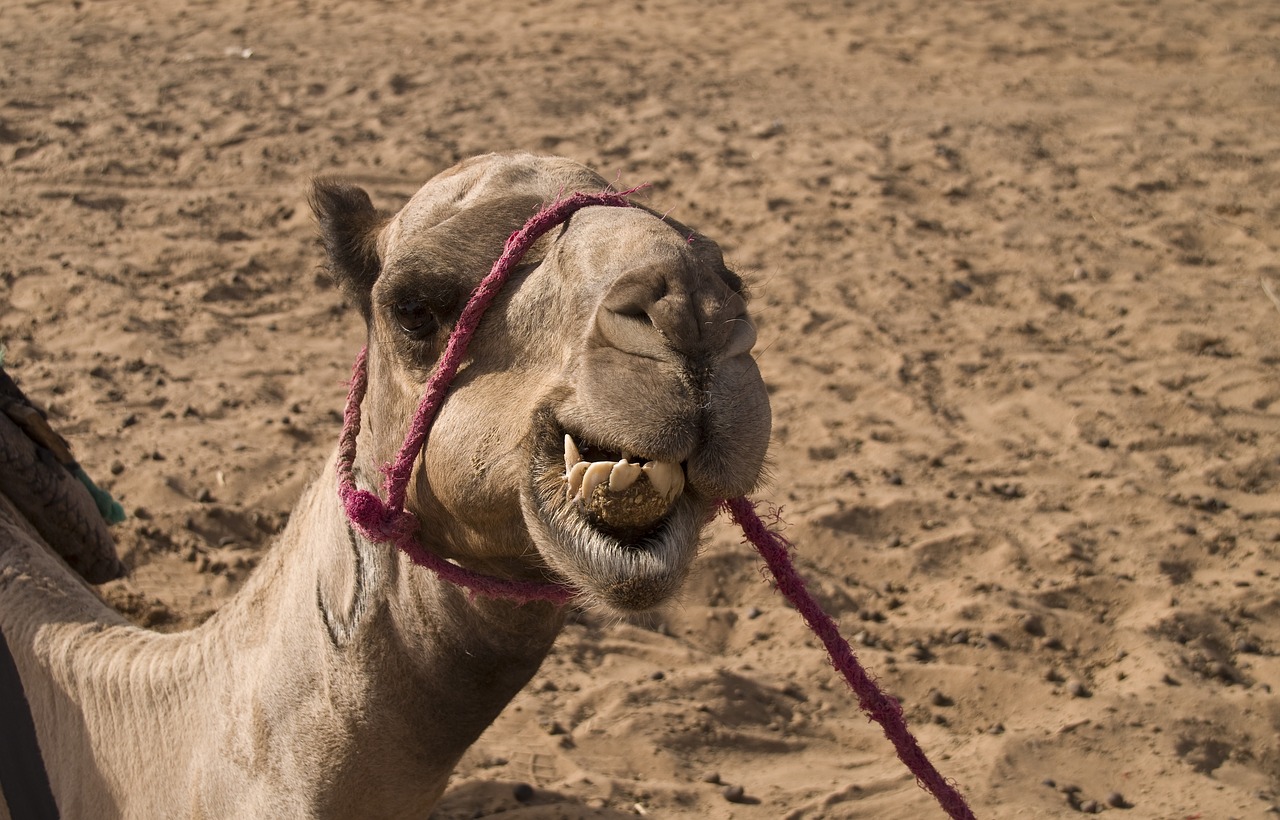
x,y
389,521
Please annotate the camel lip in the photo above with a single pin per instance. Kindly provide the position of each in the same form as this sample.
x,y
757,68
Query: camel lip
x,y
626,569
622,574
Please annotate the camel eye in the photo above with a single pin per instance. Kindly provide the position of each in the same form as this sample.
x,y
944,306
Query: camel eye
x,y
414,317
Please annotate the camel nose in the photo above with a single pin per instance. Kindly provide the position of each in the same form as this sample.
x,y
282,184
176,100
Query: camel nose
x,y
659,309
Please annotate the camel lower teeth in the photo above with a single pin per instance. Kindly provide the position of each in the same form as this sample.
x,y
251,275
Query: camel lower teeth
x,y
621,493
623,475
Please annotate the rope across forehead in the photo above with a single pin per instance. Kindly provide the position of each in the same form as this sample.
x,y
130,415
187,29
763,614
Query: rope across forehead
x,y
389,521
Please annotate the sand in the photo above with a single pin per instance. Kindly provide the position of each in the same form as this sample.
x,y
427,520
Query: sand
x,y
1009,266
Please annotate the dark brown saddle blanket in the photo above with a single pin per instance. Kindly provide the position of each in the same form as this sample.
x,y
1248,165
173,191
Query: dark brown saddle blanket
x,y
42,479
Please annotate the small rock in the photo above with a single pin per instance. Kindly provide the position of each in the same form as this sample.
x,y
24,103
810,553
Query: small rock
x,y
204,496
939,699
734,794
1077,689
117,467
711,777
1032,625
768,130
919,653
522,792
1222,671
1007,489
1049,781
658,675
1091,807
795,692
1116,800
753,613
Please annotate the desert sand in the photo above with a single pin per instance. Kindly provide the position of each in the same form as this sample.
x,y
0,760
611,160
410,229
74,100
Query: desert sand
x,y
1008,262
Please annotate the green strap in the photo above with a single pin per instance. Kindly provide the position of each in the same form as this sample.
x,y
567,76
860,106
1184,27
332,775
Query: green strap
x,y
108,507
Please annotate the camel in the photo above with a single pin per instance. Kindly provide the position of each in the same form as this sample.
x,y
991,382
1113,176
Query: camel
x,y
608,400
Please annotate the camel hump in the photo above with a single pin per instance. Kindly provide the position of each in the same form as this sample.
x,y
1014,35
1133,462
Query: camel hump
x,y
42,479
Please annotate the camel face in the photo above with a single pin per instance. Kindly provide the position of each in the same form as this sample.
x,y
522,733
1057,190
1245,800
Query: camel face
x,y
609,399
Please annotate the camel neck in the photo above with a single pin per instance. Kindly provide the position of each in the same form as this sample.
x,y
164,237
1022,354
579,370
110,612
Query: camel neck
x,y
340,672
412,667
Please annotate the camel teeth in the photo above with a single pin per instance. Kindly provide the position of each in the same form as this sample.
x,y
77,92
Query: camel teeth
x,y
623,475
574,477
666,477
571,454
596,474
655,479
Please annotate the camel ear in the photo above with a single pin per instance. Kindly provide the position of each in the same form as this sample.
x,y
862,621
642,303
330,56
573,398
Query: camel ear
x,y
349,226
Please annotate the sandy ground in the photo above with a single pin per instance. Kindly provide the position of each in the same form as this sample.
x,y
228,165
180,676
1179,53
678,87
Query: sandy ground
x,y
1009,263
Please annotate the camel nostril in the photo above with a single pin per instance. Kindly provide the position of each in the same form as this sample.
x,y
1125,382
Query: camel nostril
x,y
635,312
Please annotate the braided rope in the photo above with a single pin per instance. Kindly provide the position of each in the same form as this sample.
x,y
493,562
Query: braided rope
x,y
878,706
389,521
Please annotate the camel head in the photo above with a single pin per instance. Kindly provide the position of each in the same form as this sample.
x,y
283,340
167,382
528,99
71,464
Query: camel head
x,y
609,398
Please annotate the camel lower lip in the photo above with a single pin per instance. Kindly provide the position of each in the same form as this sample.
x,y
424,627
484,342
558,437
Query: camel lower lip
x,y
623,570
